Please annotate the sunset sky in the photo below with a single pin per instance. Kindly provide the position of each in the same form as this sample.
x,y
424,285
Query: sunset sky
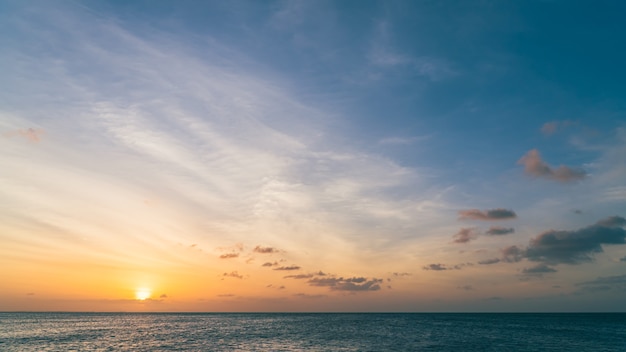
x,y
312,155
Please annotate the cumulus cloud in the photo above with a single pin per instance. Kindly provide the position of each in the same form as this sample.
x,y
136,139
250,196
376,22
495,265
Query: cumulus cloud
x,y
487,215
498,231
534,166
567,247
265,250
348,284
269,264
290,267
229,255
465,235
539,269
577,246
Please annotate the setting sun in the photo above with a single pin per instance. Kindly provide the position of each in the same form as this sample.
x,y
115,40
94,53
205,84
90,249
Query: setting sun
x,y
142,294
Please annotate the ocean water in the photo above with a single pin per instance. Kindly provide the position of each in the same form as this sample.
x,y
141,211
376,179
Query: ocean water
x,y
311,332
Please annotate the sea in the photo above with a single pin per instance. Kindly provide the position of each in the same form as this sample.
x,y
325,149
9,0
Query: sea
x,y
312,332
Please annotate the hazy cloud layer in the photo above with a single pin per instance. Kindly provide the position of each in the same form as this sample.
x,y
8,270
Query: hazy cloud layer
x,y
534,166
487,215
442,267
287,268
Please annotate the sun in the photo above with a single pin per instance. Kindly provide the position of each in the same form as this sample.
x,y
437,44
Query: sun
x,y
142,294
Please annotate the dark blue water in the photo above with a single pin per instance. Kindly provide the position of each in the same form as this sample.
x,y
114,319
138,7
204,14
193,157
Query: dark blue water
x,y
311,332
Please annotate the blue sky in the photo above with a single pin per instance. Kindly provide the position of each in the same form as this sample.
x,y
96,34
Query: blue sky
x,y
402,144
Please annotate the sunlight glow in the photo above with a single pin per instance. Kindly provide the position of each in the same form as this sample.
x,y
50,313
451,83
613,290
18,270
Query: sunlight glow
x,y
142,294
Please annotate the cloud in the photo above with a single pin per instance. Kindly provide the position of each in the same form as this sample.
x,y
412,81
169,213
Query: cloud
x,y
574,247
489,261
465,287
539,269
401,274
30,134
436,267
229,255
268,264
550,128
349,284
234,274
512,254
487,215
163,296
623,259
534,166
498,231
290,267
609,280
305,295
304,276
465,235
265,250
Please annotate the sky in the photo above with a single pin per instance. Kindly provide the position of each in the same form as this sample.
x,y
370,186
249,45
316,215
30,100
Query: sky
x,y
216,156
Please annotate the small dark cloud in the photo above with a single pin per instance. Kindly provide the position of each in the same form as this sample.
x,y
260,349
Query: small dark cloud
x,y
539,269
233,274
623,259
577,211
226,295
290,267
348,284
465,235
269,264
512,254
489,261
265,250
304,295
465,288
229,255
534,166
441,267
401,274
436,267
299,277
608,280
30,294
498,231
487,215
163,296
